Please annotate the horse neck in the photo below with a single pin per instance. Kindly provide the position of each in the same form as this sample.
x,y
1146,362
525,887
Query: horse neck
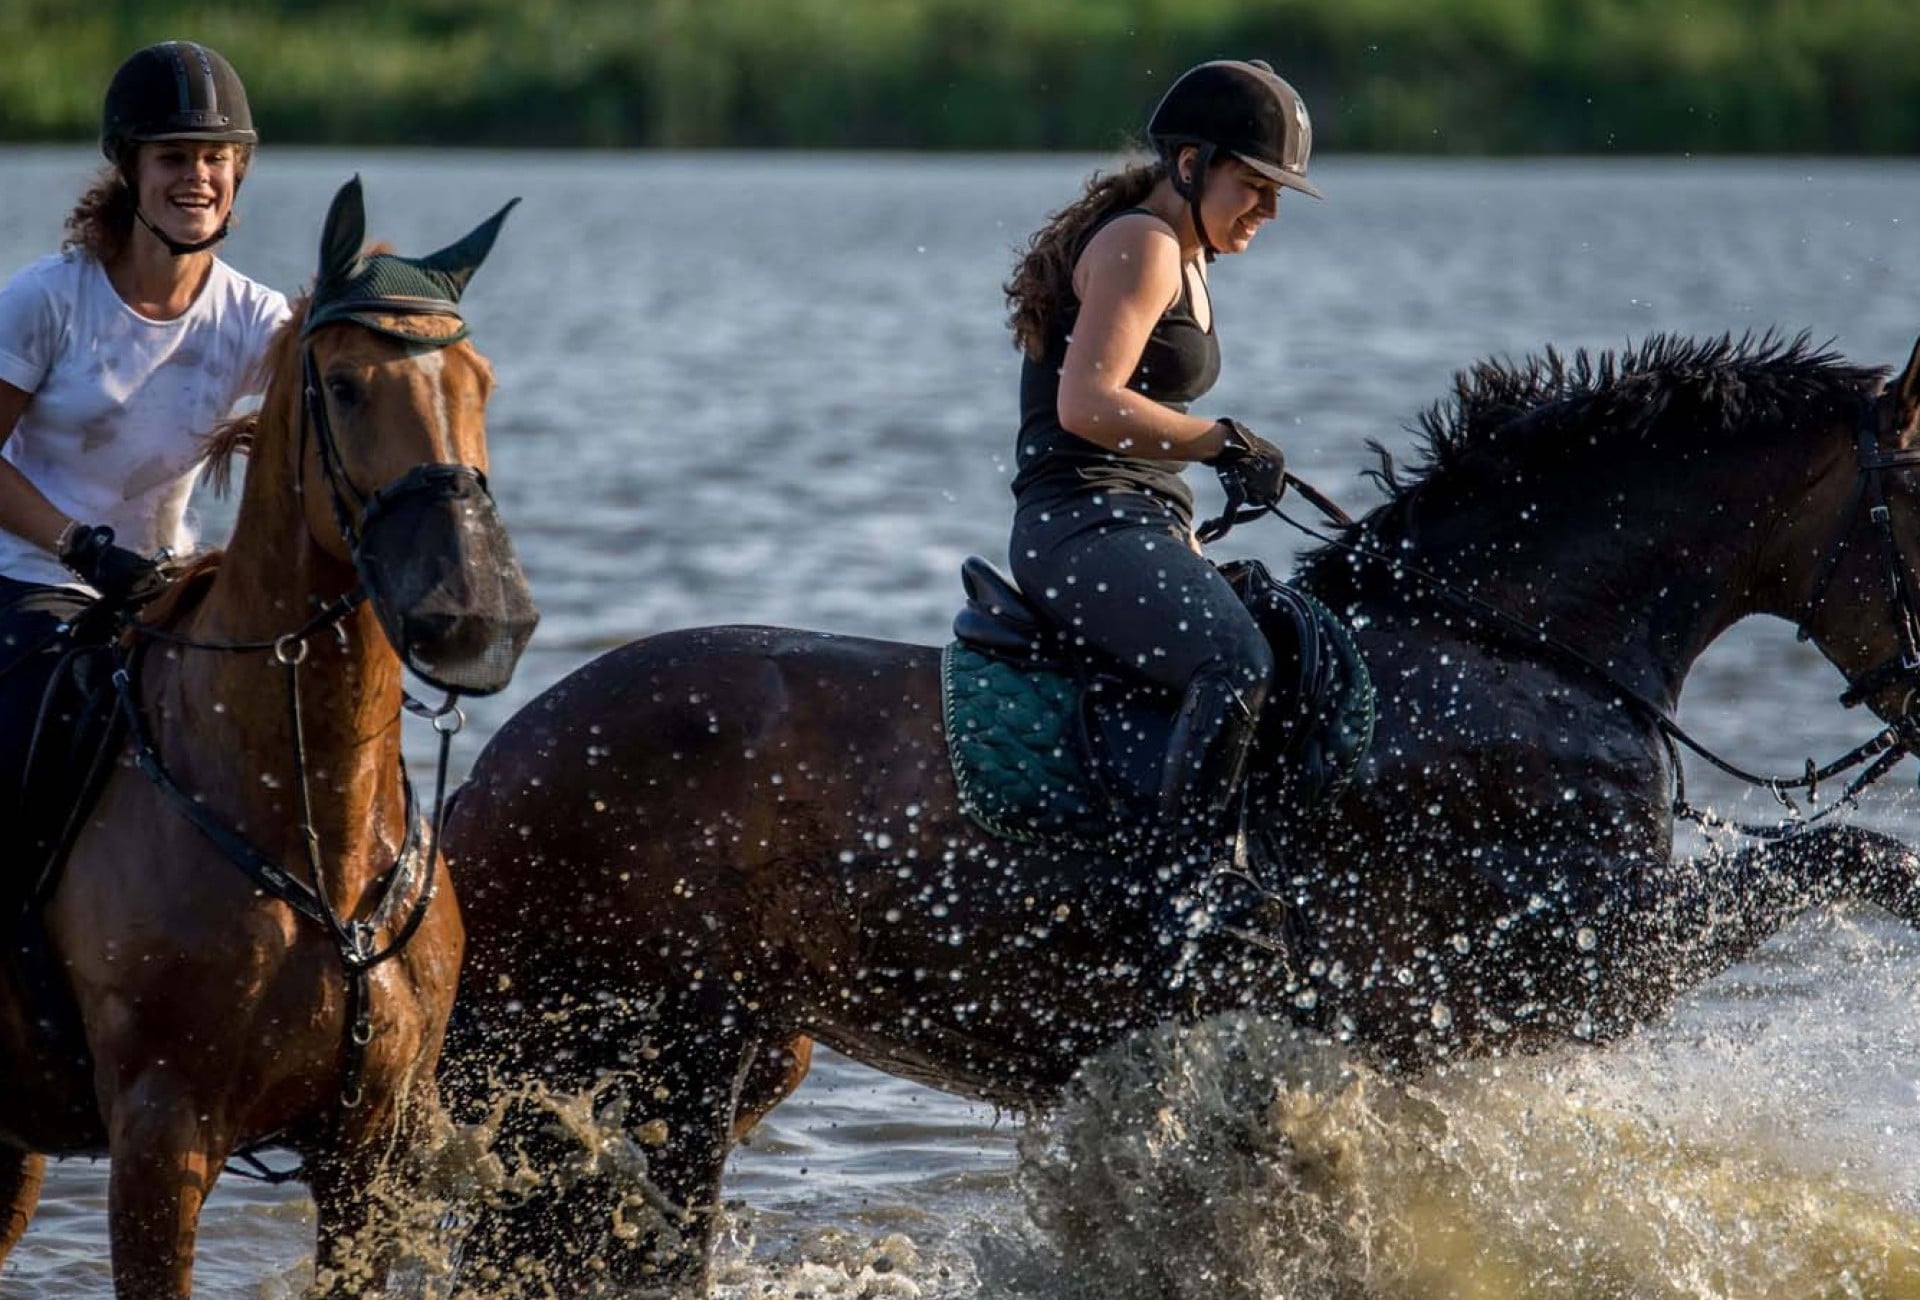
x,y
271,581
1640,577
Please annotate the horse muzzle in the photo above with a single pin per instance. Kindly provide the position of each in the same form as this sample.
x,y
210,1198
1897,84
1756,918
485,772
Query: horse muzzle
x,y
442,576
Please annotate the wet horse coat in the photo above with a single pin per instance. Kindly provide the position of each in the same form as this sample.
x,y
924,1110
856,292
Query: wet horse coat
x,y
165,1008
708,848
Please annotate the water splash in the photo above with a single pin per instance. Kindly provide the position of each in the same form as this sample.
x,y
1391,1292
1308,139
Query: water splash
x,y
831,1264
1757,1146
1242,1160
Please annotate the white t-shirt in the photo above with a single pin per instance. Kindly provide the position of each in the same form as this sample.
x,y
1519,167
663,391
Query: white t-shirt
x,y
122,405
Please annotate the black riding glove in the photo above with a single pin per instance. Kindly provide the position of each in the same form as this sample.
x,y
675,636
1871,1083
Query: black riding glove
x,y
124,579
1252,470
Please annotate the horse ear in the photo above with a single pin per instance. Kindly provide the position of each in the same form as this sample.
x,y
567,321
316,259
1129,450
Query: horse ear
x,y
455,264
345,232
1906,392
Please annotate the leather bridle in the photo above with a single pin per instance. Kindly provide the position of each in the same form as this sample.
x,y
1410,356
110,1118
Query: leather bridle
x,y
411,882
1870,492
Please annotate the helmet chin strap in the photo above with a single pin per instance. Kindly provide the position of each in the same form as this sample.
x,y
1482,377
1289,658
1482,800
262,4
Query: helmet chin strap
x,y
179,249
1190,188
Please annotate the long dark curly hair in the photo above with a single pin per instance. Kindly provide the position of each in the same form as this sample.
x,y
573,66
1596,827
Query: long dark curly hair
x,y
101,222
1043,280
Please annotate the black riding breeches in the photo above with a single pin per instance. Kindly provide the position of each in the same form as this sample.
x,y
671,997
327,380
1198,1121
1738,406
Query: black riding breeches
x,y
1117,572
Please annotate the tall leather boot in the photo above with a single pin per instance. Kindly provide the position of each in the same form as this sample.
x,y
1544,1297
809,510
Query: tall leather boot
x,y
1198,820
1207,752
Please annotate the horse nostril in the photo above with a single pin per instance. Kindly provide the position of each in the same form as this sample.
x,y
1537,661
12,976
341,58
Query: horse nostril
x,y
432,629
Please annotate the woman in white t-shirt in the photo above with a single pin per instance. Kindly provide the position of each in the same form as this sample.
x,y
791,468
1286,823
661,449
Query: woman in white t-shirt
x,y
118,356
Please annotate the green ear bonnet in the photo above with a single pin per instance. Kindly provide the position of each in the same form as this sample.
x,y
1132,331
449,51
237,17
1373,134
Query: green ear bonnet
x,y
362,288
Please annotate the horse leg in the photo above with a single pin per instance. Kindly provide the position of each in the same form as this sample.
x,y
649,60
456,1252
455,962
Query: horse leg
x,y
166,1154
692,1099
1878,869
1591,946
614,1162
346,1260
772,1075
20,1175
364,1193
1679,937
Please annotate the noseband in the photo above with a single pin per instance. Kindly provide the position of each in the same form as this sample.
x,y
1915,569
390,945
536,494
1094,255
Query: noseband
x,y
1869,489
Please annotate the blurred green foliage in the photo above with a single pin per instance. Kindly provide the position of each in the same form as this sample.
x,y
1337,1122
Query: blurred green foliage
x,y
1439,76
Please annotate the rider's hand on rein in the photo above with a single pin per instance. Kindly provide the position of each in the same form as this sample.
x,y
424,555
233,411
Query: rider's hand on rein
x,y
124,579
1253,473
1252,470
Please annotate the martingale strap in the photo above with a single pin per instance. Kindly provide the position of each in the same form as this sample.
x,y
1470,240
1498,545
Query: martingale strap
x,y
355,941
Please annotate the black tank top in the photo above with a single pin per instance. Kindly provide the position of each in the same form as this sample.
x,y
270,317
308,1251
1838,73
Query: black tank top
x,y
1180,362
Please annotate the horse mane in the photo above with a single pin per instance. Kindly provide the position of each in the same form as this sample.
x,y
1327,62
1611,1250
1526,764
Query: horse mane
x,y
236,436
1542,418
188,588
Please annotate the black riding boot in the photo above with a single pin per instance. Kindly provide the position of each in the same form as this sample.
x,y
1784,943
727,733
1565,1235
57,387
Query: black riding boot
x,y
1198,828
1207,754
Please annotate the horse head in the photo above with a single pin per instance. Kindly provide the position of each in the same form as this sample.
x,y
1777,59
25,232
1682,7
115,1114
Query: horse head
x,y
1860,520
392,456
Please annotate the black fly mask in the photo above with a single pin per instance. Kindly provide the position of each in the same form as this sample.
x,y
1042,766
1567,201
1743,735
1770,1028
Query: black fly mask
x,y
430,549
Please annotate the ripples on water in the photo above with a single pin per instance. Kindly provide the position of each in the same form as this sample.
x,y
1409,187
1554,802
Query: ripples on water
x,y
742,388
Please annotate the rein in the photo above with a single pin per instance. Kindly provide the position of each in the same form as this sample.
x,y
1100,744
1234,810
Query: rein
x,y
1881,752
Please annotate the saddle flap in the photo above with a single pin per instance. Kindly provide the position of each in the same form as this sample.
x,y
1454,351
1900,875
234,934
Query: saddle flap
x,y
64,760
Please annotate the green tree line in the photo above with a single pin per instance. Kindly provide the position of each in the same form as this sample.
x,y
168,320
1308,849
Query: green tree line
x,y
1424,76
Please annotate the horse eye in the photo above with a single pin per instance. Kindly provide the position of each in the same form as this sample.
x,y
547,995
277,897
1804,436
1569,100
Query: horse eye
x,y
342,390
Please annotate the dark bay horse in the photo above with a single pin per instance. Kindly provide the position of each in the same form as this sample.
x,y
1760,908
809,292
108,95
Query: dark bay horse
x,y
708,848
166,1006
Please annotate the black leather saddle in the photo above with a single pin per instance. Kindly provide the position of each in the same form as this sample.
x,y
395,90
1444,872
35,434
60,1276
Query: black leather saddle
x,y
997,619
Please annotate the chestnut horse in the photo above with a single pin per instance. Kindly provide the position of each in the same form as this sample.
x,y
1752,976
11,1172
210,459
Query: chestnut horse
x,y
708,848
175,999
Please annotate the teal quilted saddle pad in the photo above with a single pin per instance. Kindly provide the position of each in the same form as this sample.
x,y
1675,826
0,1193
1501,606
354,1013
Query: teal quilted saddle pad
x,y
1019,760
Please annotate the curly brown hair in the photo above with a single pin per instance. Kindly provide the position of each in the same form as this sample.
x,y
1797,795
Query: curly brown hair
x,y
101,222
1043,281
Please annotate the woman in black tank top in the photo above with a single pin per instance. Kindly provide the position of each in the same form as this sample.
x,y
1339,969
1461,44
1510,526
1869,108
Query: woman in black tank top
x,y
1110,306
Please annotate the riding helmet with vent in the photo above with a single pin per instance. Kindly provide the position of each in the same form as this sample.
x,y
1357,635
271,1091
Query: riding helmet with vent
x,y
176,90
1240,107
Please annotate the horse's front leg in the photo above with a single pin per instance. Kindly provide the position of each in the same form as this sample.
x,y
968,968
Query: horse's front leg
x,y
367,1193
348,1258
1538,944
1872,868
168,1142
1674,928
20,1175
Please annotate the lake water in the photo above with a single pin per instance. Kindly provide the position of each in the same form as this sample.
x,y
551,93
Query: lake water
x,y
777,389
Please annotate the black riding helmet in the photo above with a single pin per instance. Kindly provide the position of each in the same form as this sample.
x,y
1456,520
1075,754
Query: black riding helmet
x,y
1238,107
176,90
